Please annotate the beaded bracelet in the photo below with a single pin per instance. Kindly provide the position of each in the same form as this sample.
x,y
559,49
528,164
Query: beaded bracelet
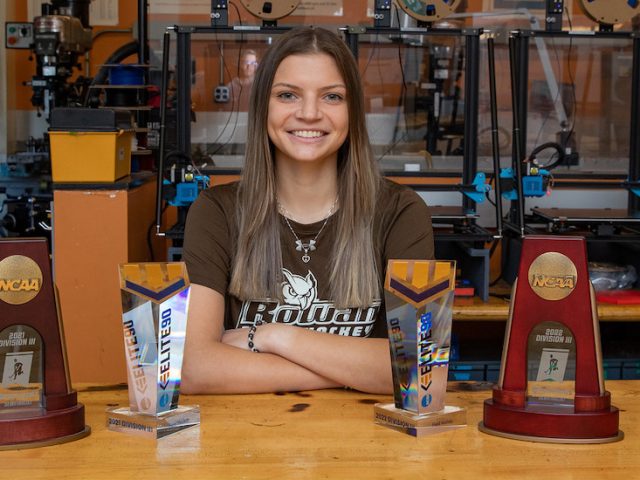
x,y
251,335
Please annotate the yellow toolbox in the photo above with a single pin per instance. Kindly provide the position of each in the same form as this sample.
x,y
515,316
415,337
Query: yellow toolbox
x,y
90,156
90,145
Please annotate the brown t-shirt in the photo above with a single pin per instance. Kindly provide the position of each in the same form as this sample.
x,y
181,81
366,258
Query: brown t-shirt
x,y
402,229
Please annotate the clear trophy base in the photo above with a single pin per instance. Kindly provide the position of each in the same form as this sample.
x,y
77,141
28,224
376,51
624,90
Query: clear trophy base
x,y
449,418
123,420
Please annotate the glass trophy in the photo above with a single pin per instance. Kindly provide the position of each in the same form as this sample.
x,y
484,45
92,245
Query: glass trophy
x,y
418,302
155,300
37,404
551,384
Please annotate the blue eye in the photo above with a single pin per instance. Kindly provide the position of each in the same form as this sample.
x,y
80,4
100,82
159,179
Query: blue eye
x,y
287,96
334,97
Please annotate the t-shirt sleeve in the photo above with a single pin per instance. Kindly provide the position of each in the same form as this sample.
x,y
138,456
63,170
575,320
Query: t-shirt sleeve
x,y
207,243
409,234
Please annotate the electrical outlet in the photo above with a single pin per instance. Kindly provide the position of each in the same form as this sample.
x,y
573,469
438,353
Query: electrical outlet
x,y
221,94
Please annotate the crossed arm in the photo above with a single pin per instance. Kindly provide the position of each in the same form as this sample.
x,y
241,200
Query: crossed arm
x,y
290,358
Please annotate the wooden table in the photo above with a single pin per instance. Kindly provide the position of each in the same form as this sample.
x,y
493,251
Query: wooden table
x,y
324,434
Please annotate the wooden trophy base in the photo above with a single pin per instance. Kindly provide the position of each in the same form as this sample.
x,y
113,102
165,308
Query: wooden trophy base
x,y
43,429
550,424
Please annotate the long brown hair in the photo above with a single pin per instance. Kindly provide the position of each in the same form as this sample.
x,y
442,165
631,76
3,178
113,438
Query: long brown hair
x,y
257,269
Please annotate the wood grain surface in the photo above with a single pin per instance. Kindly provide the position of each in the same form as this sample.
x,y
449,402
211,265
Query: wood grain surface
x,y
323,434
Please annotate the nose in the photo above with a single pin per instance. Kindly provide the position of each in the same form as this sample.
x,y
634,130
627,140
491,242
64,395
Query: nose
x,y
309,109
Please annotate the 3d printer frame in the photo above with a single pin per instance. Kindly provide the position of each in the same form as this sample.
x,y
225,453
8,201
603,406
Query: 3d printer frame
x,y
463,218
595,224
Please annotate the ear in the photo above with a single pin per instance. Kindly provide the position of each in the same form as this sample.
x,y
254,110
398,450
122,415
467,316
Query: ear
x,y
311,279
288,276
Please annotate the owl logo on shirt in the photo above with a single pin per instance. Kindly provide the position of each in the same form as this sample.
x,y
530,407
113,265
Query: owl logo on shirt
x,y
299,291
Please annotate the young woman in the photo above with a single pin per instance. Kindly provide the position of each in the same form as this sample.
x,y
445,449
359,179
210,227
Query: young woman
x,y
287,265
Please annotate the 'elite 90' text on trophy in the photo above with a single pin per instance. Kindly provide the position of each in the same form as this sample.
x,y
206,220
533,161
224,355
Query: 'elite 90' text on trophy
x,y
419,300
155,299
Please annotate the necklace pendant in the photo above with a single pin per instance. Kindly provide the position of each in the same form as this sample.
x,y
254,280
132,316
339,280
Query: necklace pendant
x,y
306,258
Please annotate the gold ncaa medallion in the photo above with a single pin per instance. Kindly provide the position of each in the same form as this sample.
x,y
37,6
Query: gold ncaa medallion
x,y
552,276
20,279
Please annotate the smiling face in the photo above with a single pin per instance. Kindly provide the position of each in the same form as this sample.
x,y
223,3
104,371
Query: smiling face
x,y
308,119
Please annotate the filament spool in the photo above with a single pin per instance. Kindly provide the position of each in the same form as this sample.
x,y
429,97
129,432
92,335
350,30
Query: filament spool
x,y
428,11
610,12
270,10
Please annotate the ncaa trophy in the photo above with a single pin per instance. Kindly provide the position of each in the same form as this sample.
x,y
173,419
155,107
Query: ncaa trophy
x,y
418,301
551,385
155,301
38,407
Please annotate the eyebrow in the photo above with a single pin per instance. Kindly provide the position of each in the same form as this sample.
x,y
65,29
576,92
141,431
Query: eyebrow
x,y
294,87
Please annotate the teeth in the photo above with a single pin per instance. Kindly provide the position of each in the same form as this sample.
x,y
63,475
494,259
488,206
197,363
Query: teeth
x,y
307,133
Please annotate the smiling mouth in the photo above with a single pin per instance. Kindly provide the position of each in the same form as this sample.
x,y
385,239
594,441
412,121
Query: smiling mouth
x,y
308,133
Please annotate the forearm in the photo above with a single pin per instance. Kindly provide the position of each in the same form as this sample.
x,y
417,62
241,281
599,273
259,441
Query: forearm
x,y
220,368
360,363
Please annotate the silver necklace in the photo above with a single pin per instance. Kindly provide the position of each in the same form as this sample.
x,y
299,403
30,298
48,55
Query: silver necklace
x,y
311,245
